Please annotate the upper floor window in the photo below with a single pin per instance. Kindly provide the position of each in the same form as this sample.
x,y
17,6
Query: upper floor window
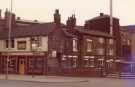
x,y
11,43
111,41
89,45
75,44
35,42
21,45
101,40
128,42
111,52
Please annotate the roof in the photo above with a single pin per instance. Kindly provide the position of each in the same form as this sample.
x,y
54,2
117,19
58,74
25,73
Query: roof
x,y
94,33
45,29
129,28
32,30
100,17
67,33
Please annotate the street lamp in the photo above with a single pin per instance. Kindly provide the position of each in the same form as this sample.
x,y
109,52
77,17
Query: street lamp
x,y
9,38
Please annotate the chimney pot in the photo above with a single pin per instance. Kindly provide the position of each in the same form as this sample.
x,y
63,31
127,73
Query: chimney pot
x,y
18,18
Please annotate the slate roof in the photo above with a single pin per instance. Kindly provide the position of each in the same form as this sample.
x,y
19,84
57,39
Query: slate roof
x,y
32,30
100,17
45,29
94,32
67,33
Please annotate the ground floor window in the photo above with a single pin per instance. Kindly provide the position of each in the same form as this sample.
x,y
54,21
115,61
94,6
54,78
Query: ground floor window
x,y
74,62
39,62
69,61
31,63
12,62
89,61
100,62
36,62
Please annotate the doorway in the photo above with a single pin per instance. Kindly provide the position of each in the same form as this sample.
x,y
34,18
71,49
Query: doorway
x,y
21,66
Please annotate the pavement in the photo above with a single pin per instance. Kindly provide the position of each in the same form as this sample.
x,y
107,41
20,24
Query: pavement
x,y
44,79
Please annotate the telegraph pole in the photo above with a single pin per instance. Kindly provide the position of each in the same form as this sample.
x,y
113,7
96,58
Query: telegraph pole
x,y
9,37
111,17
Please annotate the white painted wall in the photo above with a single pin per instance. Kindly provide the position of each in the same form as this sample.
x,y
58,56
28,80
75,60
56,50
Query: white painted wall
x,y
44,44
27,39
44,41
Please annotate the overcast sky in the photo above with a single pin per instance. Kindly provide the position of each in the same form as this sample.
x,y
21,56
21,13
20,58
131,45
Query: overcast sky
x,y
43,10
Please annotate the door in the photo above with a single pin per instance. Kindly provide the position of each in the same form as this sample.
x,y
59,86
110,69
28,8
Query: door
x,y
21,66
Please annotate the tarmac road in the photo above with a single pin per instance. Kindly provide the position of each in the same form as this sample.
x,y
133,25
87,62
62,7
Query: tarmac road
x,y
92,82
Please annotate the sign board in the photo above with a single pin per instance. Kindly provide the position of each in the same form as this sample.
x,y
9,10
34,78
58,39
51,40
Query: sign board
x,y
54,53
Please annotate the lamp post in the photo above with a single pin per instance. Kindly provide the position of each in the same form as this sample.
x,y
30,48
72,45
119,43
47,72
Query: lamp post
x,y
9,38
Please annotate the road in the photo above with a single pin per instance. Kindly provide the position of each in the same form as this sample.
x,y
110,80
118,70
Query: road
x,y
92,82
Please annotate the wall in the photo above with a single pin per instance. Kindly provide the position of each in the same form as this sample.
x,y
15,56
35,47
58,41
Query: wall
x,y
133,46
44,46
44,41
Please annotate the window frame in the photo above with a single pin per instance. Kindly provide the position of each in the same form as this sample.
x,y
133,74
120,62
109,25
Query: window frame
x,y
89,45
23,45
12,43
75,45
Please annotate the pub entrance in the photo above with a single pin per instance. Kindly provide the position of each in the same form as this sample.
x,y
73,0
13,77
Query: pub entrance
x,y
21,66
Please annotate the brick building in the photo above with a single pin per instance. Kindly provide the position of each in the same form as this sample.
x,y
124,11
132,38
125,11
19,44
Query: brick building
x,y
128,49
55,48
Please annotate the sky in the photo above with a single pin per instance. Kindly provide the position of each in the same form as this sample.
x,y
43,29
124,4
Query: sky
x,y
43,10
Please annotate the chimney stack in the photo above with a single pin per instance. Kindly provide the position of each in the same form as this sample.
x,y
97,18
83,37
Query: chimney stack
x,y
57,17
101,14
7,18
71,22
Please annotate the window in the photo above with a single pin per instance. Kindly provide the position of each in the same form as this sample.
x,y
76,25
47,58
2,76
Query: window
x,y
100,62
31,63
128,42
101,40
39,63
111,41
74,62
111,52
36,41
12,62
12,43
89,45
75,44
21,45
89,61
100,51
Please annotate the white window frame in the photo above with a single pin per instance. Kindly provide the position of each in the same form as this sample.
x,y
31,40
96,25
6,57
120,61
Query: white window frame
x,y
90,62
37,41
111,41
128,42
75,47
111,52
